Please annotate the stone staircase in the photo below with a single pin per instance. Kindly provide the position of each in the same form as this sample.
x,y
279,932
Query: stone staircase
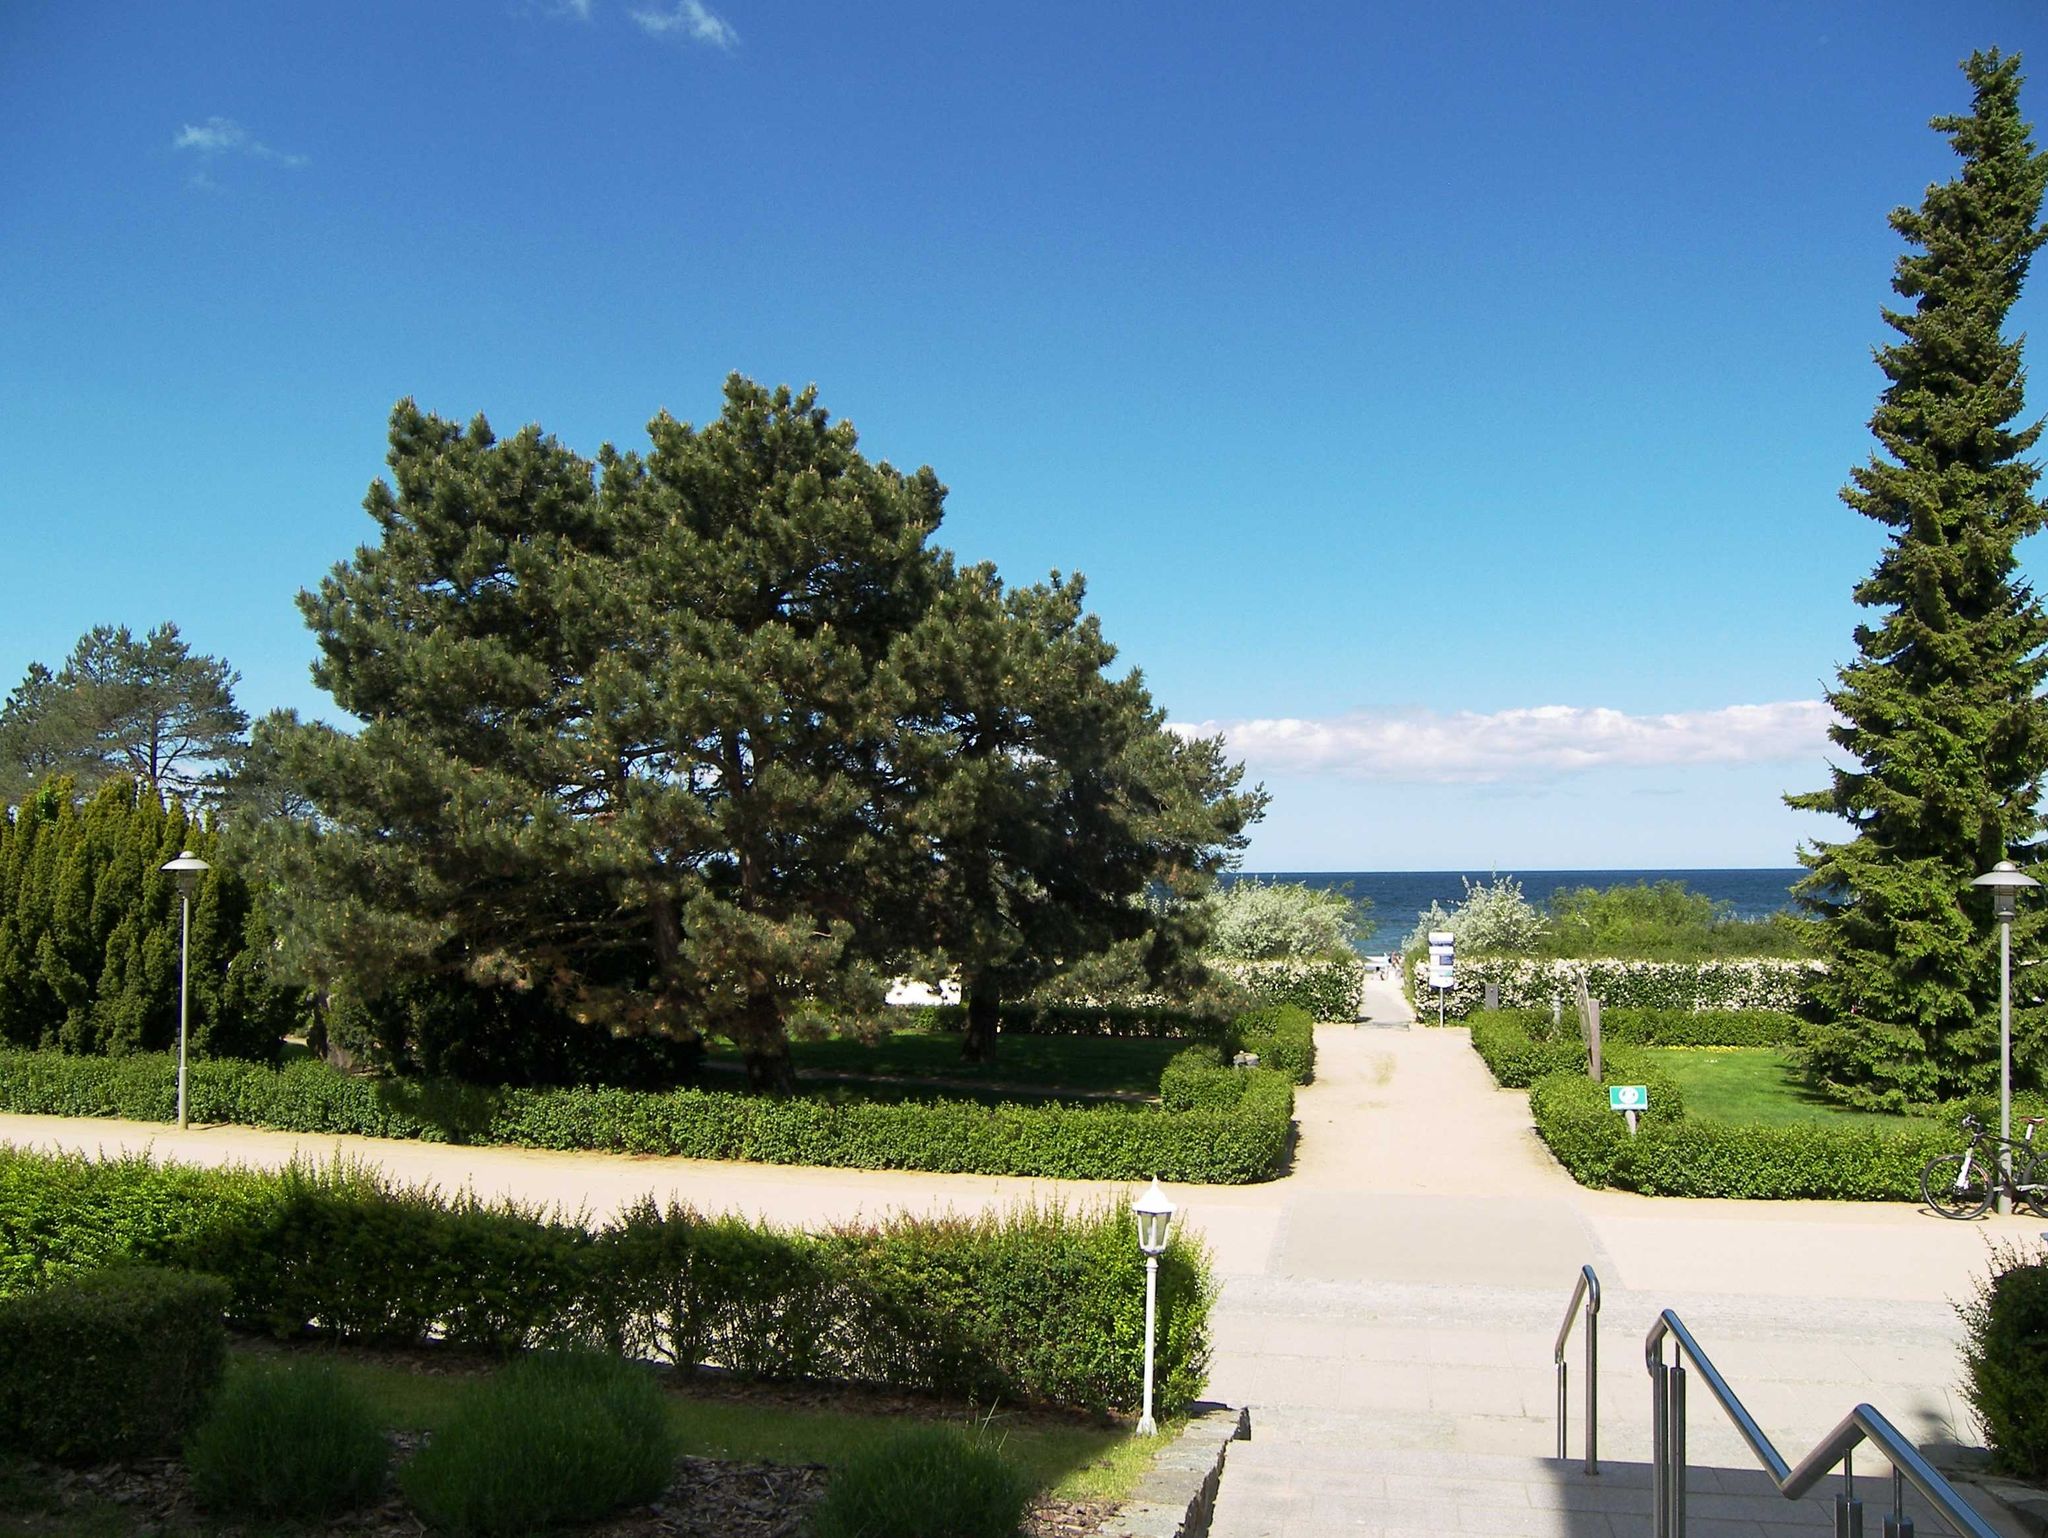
x,y
1276,1488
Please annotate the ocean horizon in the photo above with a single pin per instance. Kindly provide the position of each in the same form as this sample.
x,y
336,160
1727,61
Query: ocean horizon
x,y
1398,897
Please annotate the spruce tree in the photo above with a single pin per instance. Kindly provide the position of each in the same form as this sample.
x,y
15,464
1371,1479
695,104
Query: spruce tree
x,y
1940,714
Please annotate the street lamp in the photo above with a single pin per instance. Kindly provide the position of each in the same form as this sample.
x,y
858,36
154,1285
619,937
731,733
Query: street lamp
x,y
1155,1215
186,869
2005,880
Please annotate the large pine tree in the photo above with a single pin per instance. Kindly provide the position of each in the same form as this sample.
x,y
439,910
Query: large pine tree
x,y
1941,719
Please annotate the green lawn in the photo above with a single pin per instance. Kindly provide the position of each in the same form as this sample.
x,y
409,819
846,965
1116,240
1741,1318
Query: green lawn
x,y
1751,1086
1047,1064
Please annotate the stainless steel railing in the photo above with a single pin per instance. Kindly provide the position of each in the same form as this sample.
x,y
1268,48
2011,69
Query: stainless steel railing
x,y
1588,1292
1667,1454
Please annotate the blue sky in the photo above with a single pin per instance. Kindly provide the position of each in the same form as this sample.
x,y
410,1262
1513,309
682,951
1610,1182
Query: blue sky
x,y
1449,402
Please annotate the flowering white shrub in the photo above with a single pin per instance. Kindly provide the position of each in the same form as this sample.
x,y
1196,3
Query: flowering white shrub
x,y
1524,983
1254,920
1495,916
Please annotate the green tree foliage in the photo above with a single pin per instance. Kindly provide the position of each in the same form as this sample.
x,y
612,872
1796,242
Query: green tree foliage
x,y
1252,920
89,931
1045,799
1941,718
124,709
694,741
1660,921
622,743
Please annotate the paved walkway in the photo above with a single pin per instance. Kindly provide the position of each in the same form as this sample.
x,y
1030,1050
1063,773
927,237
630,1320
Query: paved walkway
x,y
1398,1292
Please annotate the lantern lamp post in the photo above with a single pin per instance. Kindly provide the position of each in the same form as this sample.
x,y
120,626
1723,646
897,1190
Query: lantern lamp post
x,y
1155,1215
2005,881
187,869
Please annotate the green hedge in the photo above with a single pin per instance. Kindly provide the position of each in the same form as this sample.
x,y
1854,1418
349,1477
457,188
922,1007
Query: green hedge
x,y
113,1364
1700,1027
1674,1155
1095,1142
1519,1046
1282,1035
1527,983
1028,1019
1328,990
2005,1357
1040,1305
1199,1080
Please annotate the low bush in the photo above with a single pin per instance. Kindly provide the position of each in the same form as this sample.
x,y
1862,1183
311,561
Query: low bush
x,y
926,1482
557,1438
1036,1306
1282,1035
1198,1079
1094,1142
292,1440
2005,1361
1700,1027
1520,1046
113,1364
1036,1019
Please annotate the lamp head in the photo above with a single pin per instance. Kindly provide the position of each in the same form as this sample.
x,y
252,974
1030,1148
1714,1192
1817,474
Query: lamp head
x,y
1155,1215
2005,881
186,870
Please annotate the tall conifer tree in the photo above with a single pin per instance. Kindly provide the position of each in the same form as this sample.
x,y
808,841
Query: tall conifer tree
x,y
1941,719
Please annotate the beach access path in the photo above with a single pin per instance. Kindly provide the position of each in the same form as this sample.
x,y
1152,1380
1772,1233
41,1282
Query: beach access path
x,y
1398,1291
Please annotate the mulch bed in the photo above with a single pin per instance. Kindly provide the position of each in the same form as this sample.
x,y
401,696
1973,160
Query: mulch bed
x,y
708,1498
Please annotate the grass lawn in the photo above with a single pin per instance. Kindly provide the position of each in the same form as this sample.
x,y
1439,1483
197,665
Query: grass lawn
x,y
1066,1458
1753,1087
1094,1064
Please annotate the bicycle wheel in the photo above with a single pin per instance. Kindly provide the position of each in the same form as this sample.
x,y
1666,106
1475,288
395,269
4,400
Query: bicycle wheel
x,y
2030,1183
1957,1185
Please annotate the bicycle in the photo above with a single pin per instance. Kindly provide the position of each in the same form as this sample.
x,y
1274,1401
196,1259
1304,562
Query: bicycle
x,y
1962,1185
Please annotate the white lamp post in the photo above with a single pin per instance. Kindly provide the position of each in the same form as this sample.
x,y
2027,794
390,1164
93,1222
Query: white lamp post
x,y
1155,1215
187,869
2005,880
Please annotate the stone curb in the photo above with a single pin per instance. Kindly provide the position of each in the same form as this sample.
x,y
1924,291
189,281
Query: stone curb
x,y
1177,1498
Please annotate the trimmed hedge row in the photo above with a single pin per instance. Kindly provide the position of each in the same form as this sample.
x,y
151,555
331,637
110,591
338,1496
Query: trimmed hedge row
x,y
1282,1035
1096,1142
1520,1046
1662,985
1025,1019
1041,1305
1674,1156
1328,990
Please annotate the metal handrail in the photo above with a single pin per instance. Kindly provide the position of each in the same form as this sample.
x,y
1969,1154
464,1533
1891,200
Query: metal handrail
x,y
1860,1425
1587,1291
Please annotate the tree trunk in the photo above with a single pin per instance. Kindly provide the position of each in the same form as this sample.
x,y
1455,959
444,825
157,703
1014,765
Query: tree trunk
x,y
764,1048
984,1005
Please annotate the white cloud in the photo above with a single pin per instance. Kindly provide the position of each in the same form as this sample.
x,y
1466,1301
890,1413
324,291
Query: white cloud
x,y
580,9
691,19
1534,743
219,136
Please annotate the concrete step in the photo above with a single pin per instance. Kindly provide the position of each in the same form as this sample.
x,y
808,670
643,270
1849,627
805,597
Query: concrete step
x,y
1270,1491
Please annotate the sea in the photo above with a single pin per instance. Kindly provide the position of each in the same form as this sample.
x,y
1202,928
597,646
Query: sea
x,y
1398,896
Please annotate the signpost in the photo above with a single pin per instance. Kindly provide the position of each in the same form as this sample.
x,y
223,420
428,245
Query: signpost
x,y
1442,967
1628,1099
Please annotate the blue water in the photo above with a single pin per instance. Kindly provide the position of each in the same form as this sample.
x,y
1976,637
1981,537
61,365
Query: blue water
x,y
1397,896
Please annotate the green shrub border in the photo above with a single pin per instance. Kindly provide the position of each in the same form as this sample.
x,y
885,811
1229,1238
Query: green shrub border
x,y
1037,1305
1671,1154
1243,1144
